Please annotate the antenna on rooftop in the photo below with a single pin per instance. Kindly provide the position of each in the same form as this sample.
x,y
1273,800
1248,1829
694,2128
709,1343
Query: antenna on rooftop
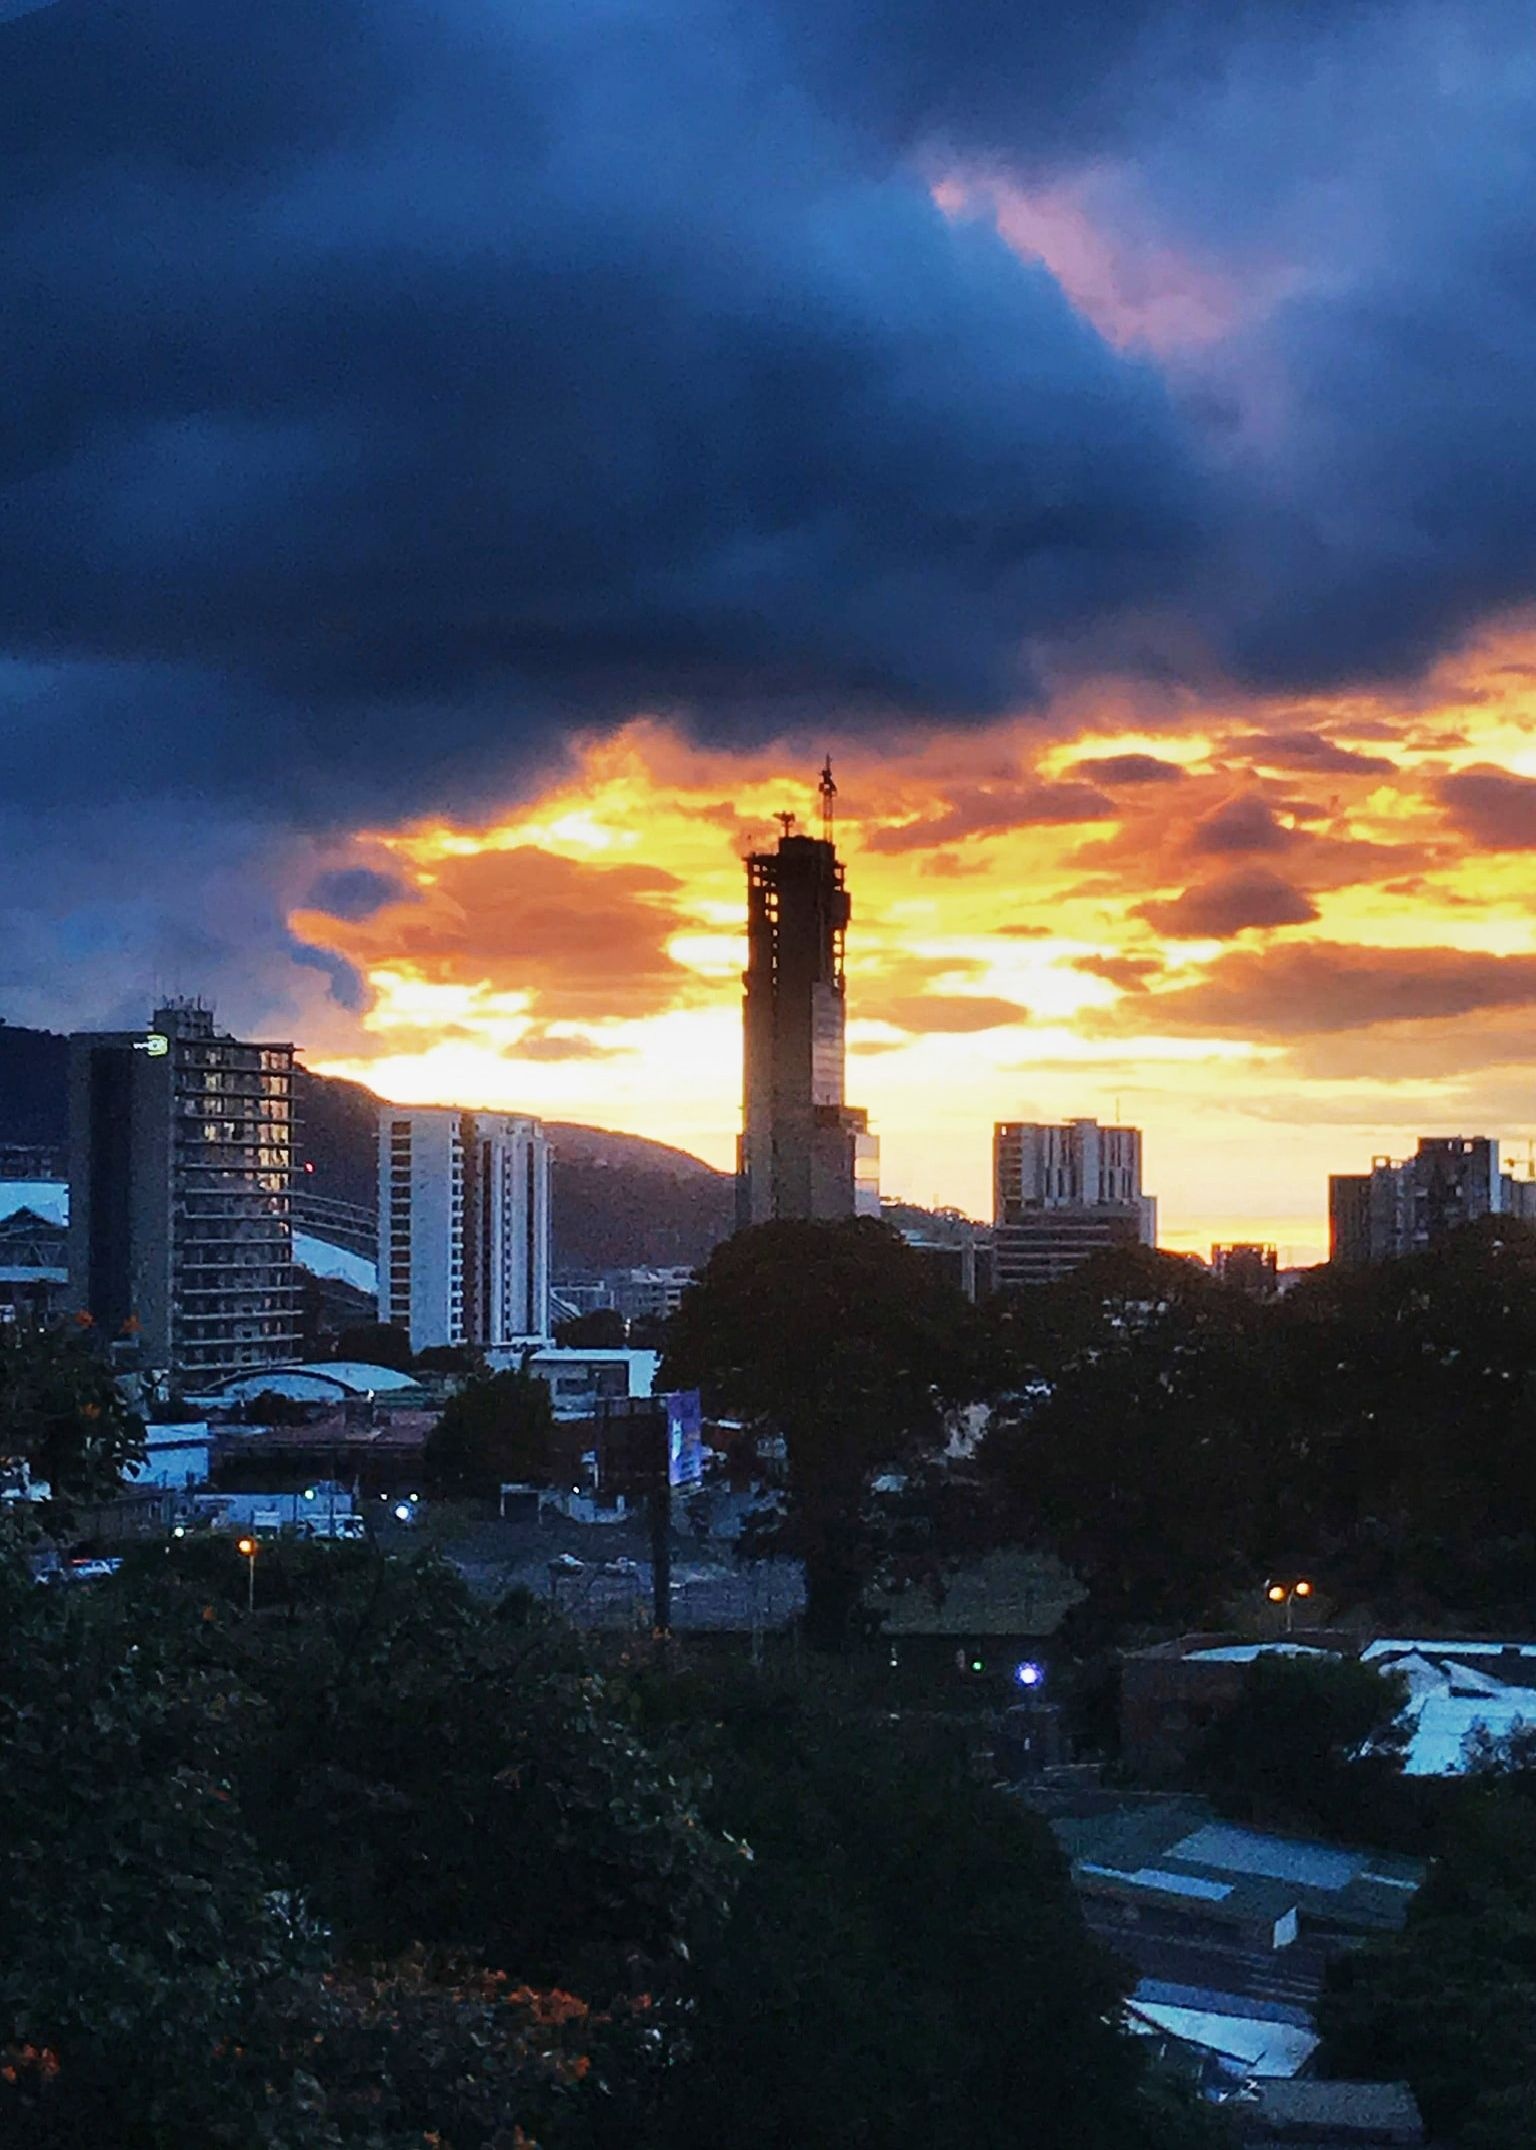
x,y
828,793
786,822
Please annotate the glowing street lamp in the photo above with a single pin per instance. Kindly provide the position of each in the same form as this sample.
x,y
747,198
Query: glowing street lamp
x,y
1286,1594
247,1548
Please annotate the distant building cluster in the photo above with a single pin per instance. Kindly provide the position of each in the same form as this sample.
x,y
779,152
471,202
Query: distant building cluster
x,y
1404,1206
190,1237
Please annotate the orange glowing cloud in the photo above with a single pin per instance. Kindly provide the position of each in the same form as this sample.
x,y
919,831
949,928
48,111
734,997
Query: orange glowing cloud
x,y
1276,937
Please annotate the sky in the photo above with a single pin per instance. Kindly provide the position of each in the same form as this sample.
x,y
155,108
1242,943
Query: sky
x,y
464,465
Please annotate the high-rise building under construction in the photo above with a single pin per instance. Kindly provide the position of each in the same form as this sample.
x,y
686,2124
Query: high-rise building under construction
x,y
804,1152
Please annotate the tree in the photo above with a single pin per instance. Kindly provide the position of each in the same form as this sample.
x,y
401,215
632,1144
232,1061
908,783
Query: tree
x,y
904,1962
376,1343
450,1359
1138,1433
1414,1385
1310,1742
602,1329
494,1431
1449,2004
837,1339
443,1812
62,1413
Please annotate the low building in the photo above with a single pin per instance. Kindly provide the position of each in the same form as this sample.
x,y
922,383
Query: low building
x,y
648,1294
1171,1693
1248,1266
1178,1858
965,1264
1327,2116
580,1379
1230,2038
174,1456
381,1454
34,1261
1459,1692
322,1381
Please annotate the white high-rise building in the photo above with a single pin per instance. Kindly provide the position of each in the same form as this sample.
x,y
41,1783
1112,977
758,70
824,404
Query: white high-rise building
x,y
463,1225
1063,1193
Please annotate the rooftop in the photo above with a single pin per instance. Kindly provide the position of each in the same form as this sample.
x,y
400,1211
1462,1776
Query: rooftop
x,y
1255,2037
47,1199
1341,2113
1179,1847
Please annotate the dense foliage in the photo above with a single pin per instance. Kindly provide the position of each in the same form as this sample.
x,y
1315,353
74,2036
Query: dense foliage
x,y
495,1430
1177,1442
382,1865
1315,1744
837,1340
61,1413
1450,2003
905,1962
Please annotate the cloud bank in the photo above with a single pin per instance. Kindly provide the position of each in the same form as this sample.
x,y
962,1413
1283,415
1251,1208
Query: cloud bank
x,y
400,392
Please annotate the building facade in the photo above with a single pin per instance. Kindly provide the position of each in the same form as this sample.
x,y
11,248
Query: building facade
x,y
181,1192
463,1225
1248,1266
1062,1193
1404,1206
804,1151
649,1294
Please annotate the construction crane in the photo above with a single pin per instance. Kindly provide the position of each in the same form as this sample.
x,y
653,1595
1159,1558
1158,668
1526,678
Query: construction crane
x,y
828,792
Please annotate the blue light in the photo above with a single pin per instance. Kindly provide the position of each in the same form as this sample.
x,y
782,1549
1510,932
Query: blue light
x,y
1029,1674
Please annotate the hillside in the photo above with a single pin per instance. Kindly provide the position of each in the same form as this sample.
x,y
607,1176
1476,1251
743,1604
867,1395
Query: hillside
x,y
619,1201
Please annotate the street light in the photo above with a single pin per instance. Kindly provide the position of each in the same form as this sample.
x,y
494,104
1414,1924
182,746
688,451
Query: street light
x,y
247,1547
1286,1594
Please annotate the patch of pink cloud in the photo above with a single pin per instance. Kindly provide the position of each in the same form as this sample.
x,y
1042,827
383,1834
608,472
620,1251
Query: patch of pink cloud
x,y
1147,295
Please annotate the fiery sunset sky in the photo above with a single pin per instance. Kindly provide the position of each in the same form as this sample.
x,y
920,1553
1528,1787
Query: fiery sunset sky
x,y
464,464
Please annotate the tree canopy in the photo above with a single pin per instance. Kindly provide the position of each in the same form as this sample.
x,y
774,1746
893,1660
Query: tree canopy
x,y
63,1415
837,1340
1311,1743
494,1430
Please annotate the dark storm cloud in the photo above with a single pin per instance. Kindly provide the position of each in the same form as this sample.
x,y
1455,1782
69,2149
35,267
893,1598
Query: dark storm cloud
x,y
1042,85
356,892
1358,175
395,387
389,385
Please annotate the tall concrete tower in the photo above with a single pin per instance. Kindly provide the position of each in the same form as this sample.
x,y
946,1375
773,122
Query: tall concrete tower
x,y
181,1193
803,1152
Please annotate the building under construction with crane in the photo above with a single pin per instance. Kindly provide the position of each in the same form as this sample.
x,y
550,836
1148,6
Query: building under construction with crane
x,y
804,1152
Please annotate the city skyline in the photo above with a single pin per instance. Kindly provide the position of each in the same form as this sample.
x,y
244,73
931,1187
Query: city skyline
x,y
633,867
1109,446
